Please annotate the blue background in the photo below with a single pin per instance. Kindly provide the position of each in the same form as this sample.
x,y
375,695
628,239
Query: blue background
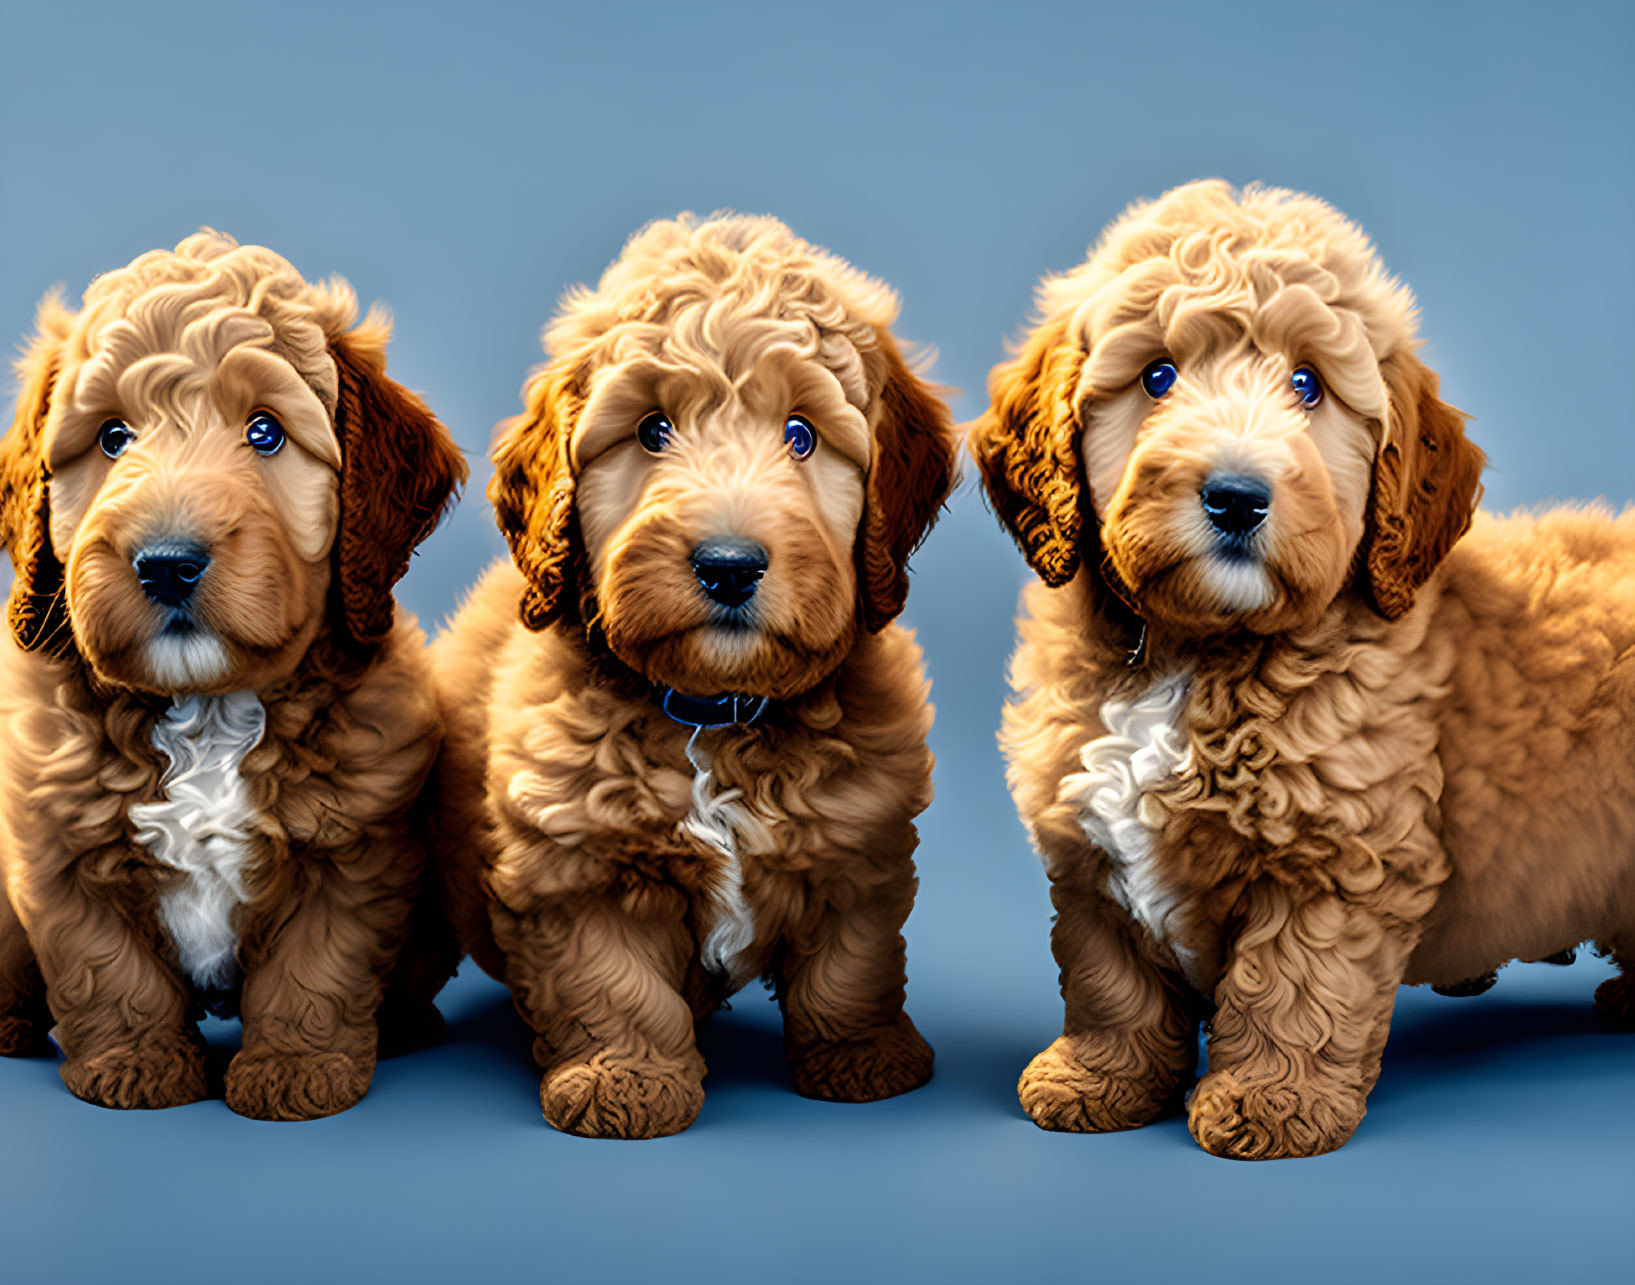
x,y
465,162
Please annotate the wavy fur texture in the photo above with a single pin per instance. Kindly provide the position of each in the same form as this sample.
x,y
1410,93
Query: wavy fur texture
x,y
1408,755
622,873
208,803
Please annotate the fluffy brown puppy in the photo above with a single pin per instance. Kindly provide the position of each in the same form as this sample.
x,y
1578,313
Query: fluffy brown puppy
x,y
214,721
1283,738
711,497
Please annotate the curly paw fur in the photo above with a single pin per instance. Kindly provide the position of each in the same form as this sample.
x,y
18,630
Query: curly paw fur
x,y
142,1078
867,1068
609,1098
294,1086
1270,1121
1061,1093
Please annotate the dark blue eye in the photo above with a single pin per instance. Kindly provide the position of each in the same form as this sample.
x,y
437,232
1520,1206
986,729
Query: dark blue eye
x,y
113,437
799,436
1158,378
654,432
264,434
1307,387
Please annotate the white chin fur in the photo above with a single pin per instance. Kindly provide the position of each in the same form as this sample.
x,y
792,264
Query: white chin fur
x,y
179,661
1238,585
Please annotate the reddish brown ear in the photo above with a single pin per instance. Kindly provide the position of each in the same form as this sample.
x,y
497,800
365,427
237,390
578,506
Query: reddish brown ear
x,y
532,491
1026,445
399,471
915,465
37,610
1427,480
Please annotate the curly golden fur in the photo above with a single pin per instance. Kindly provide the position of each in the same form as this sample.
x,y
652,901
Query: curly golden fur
x,y
621,873
207,802
1369,743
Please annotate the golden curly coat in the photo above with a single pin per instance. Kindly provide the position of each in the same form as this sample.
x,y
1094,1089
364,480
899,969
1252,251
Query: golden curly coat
x,y
621,872
204,794
1334,738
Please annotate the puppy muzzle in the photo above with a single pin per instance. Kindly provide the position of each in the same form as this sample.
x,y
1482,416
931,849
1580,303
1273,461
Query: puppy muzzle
x,y
1236,506
170,573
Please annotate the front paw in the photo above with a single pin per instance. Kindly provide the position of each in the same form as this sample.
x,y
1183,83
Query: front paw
x,y
139,1078
294,1086
866,1068
1060,1092
613,1097
1271,1120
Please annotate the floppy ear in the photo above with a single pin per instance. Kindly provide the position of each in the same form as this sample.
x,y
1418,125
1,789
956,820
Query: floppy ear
x,y
38,608
1026,445
532,491
1426,485
914,465
399,471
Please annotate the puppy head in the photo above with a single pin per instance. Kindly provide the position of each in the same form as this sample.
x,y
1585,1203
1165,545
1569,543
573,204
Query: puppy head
x,y
726,462
1221,412
207,466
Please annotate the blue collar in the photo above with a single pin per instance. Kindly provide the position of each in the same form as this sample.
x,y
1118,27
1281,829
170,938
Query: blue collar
x,y
712,711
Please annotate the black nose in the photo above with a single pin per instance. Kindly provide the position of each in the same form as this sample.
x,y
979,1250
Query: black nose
x,y
169,576
729,569
1236,505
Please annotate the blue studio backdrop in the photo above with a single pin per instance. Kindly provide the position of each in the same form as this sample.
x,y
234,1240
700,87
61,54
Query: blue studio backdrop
x,y
464,162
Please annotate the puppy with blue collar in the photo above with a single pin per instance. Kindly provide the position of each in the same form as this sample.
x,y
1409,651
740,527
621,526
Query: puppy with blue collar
x,y
686,743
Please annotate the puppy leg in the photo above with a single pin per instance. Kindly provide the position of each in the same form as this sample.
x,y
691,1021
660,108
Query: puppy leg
x,y
23,1014
314,972
121,1011
1130,1039
600,981
1301,1019
840,981
1615,997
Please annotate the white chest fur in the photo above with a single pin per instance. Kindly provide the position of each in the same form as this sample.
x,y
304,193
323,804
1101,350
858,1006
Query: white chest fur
x,y
202,826
1144,745
724,825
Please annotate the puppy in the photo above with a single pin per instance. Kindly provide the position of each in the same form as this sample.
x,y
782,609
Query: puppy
x,y
1283,732
686,743
214,719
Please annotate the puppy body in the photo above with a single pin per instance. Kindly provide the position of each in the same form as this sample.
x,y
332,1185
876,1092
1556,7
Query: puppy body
x,y
624,872
205,796
312,822
589,801
1536,619
1362,755
1483,664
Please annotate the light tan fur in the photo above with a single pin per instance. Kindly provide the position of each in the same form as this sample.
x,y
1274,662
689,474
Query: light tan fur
x,y
571,817
295,608
1402,755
